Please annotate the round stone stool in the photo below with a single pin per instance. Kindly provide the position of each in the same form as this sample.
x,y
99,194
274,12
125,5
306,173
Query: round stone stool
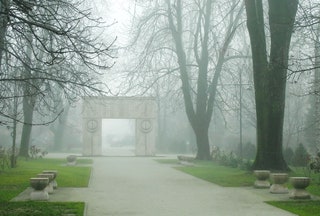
x,y
262,178
50,176
39,185
278,187
300,184
54,181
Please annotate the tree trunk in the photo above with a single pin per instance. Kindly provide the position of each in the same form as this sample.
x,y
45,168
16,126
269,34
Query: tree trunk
x,y
28,103
270,77
316,89
197,115
199,110
4,19
13,157
202,139
28,106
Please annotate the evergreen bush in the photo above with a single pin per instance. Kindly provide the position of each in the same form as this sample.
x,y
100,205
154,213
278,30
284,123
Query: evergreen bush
x,y
301,156
288,155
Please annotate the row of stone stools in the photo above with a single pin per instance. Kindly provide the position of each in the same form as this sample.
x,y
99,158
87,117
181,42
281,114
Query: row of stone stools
x,y
278,186
43,184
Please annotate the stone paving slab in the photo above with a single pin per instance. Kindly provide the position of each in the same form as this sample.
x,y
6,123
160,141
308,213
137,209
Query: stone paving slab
x,y
142,186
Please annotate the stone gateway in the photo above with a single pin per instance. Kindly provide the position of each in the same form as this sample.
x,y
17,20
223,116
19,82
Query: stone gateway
x,y
142,109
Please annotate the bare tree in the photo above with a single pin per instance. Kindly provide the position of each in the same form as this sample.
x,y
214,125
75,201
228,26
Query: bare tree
x,y
51,45
200,113
189,41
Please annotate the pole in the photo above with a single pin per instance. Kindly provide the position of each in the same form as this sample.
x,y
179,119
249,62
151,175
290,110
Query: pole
x,y
240,110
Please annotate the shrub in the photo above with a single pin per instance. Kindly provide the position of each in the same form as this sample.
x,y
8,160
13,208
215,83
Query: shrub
x,y
301,156
246,165
249,151
288,155
230,159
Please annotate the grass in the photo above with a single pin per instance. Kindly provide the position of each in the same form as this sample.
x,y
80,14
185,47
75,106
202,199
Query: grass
x,y
41,208
14,181
301,208
168,161
221,175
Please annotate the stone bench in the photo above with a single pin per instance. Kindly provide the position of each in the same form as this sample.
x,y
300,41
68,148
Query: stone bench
x,y
186,160
39,184
43,185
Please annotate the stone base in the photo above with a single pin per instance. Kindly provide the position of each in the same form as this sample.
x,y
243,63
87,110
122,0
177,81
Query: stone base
x,y
55,184
300,194
261,184
278,189
49,188
73,163
39,195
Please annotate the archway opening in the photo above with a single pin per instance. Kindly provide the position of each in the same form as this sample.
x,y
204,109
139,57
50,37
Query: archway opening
x,y
118,137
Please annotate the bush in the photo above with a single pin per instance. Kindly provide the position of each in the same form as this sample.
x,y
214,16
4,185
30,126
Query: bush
x,y
301,156
249,151
288,155
246,165
230,160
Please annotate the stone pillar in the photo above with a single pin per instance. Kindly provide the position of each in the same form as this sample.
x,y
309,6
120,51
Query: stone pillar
x,y
145,137
92,137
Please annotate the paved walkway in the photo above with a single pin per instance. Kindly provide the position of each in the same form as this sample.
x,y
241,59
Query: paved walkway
x,y
141,186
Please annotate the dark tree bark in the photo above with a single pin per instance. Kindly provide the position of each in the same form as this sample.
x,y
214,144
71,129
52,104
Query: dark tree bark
x,y
270,76
4,19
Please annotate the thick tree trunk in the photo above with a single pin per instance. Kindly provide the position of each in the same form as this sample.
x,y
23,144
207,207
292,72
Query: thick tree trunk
x,y
202,139
270,77
316,90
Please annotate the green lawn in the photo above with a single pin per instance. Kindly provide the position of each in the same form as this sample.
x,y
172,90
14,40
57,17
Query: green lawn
x,y
14,181
301,208
221,175
41,208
